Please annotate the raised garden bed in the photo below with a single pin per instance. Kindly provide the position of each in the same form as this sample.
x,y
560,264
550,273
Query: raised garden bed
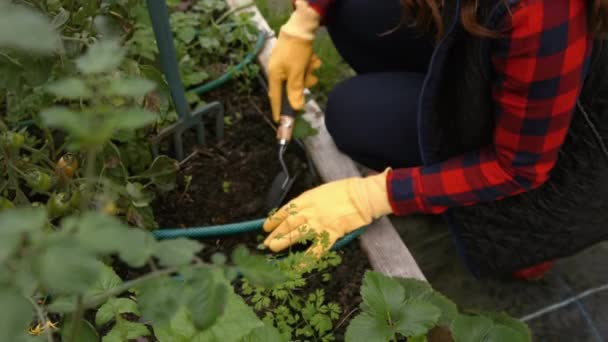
x,y
229,181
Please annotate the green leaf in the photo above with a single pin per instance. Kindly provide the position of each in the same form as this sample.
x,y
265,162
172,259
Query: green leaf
x,y
414,288
471,328
70,88
14,225
139,196
205,297
421,338
416,318
103,56
146,245
135,118
63,304
266,333
159,300
382,296
142,217
302,128
86,332
108,280
503,333
448,309
26,30
504,319
177,252
99,232
133,87
236,322
180,329
162,173
63,118
61,18
126,331
67,267
365,327
16,314
257,269
114,307
187,34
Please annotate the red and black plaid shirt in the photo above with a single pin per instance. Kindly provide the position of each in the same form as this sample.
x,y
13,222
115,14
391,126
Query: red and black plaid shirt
x,y
540,66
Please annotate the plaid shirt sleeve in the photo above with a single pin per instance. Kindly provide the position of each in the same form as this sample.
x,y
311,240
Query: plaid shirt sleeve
x,y
320,6
540,68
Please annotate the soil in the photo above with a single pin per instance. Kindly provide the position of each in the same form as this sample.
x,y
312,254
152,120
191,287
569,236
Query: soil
x,y
246,160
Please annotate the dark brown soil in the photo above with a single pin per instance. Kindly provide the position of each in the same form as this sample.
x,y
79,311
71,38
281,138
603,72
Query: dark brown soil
x,y
246,159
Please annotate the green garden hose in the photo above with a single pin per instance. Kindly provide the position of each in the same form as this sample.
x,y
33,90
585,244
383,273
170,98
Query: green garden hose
x,y
236,228
230,73
210,231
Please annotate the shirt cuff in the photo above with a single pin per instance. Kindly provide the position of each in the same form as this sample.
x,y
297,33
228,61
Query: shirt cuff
x,y
402,187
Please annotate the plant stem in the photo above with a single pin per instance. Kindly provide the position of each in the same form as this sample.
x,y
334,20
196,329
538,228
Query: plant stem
x,y
98,300
345,318
89,180
35,151
41,318
78,315
16,169
230,12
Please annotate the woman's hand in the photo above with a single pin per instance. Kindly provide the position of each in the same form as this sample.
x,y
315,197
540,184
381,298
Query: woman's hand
x,y
335,208
293,60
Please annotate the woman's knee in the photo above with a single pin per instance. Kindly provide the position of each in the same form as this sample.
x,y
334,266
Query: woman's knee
x,y
336,116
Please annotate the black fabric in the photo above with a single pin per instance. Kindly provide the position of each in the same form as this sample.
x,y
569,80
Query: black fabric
x,y
372,118
371,37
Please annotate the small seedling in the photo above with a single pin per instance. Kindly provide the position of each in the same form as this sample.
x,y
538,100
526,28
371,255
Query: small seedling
x,y
226,187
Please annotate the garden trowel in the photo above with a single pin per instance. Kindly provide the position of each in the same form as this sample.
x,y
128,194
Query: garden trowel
x,y
283,181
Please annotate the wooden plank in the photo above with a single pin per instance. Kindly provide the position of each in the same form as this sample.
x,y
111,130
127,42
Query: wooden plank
x,y
384,247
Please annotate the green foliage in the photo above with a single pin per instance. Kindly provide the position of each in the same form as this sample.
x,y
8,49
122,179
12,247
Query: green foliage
x,y
298,312
256,269
125,330
302,128
490,327
396,307
35,32
387,311
85,330
113,308
208,43
16,314
236,322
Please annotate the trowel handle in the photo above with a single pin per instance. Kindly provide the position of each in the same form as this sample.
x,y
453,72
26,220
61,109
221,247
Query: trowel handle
x,y
286,121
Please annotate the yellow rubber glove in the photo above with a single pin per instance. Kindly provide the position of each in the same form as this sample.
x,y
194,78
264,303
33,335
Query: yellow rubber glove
x,y
292,58
336,208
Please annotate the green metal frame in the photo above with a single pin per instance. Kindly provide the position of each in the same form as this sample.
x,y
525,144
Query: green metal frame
x,y
159,14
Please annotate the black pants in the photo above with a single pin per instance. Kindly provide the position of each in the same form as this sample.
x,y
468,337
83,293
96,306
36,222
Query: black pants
x,y
372,116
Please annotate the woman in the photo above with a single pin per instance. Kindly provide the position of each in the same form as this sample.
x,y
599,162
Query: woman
x,y
495,116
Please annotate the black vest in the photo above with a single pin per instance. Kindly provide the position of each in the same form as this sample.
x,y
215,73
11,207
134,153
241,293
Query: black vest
x,y
566,214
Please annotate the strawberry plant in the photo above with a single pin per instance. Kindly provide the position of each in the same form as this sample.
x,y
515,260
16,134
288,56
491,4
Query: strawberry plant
x,y
394,308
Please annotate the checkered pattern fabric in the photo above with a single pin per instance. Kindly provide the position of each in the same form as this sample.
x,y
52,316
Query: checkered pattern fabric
x,y
539,66
320,5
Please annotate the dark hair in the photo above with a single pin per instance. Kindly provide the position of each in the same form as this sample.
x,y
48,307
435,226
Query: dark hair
x,y
427,15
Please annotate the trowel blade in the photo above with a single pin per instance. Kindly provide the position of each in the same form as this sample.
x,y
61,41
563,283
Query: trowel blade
x,y
278,190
